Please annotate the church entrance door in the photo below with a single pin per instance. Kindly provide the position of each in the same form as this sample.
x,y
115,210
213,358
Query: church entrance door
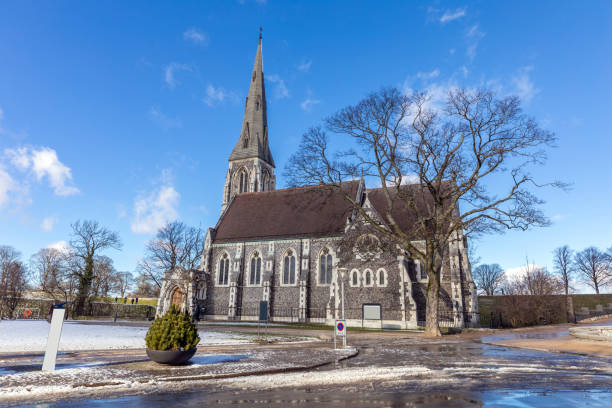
x,y
177,298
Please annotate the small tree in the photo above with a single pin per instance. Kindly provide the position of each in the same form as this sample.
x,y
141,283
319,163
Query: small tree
x,y
13,279
88,238
488,278
53,273
176,246
173,331
453,155
564,268
593,268
124,282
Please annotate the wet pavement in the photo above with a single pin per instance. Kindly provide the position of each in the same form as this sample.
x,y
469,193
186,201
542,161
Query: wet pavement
x,y
412,371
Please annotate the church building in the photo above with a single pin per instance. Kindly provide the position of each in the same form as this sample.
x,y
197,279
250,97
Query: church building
x,y
289,247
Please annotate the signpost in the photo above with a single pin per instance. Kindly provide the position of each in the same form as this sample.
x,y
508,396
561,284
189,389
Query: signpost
x,y
263,314
340,331
55,331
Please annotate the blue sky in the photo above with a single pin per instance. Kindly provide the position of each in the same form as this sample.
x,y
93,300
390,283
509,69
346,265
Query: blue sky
x,y
126,112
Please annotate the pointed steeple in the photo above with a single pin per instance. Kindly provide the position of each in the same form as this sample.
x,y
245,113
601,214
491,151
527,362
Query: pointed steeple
x,y
253,141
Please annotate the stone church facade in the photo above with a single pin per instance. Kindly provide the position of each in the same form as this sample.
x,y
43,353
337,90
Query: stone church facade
x,y
289,247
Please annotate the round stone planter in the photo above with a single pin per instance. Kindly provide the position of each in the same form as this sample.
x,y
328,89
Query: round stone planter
x,y
171,357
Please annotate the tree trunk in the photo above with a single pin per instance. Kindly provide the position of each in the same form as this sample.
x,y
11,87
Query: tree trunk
x,y
569,304
84,287
432,327
431,324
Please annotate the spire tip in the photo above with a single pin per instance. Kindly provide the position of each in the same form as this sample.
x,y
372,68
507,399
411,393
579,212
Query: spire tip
x,y
260,32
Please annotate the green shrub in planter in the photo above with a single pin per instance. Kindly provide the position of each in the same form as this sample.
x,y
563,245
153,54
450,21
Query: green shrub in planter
x,y
172,331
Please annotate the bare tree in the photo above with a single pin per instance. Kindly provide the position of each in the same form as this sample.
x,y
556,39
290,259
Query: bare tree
x,y
105,277
13,279
450,153
145,287
538,281
88,238
593,267
528,299
564,268
124,282
488,278
53,273
175,247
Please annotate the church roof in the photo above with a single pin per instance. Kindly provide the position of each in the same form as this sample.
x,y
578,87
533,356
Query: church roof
x,y
313,211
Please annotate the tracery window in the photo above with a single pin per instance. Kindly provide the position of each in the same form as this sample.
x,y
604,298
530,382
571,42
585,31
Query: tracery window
x,y
255,275
244,179
223,272
289,269
325,267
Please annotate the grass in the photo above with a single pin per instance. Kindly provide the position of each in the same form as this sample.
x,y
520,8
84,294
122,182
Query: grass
x,y
141,301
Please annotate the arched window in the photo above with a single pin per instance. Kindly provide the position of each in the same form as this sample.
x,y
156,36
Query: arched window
x,y
354,277
223,272
325,267
367,278
289,269
265,183
244,180
381,279
245,141
257,106
255,277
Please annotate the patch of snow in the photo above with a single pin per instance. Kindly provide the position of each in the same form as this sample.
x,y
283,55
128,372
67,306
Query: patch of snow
x,y
340,376
31,335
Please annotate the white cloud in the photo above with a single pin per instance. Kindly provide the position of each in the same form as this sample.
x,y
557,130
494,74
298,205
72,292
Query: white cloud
x,y
309,102
452,15
218,95
464,71
473,36
48,223
163,120
519,271
61,246
196,36
7,184
428,75
170,73
153,210
523,85
44,163
280,90
305,66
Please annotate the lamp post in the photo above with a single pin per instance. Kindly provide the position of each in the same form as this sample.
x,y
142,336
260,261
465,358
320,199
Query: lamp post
x,y
342,275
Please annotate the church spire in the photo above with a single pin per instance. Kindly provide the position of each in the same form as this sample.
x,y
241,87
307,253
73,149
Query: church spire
x,y
251,167
253,141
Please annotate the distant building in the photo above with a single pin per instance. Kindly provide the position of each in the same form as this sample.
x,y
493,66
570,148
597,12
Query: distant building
x,y
284,247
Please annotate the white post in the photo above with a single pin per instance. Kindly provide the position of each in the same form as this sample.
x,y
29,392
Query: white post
x,y
55,331
342,275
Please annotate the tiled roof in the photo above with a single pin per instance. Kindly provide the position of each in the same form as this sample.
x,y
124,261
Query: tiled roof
x,y
312,211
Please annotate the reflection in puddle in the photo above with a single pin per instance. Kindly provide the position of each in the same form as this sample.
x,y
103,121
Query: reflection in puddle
x,y
364,397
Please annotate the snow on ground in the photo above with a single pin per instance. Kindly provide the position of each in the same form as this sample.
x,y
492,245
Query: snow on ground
x,y
31,335
339,376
